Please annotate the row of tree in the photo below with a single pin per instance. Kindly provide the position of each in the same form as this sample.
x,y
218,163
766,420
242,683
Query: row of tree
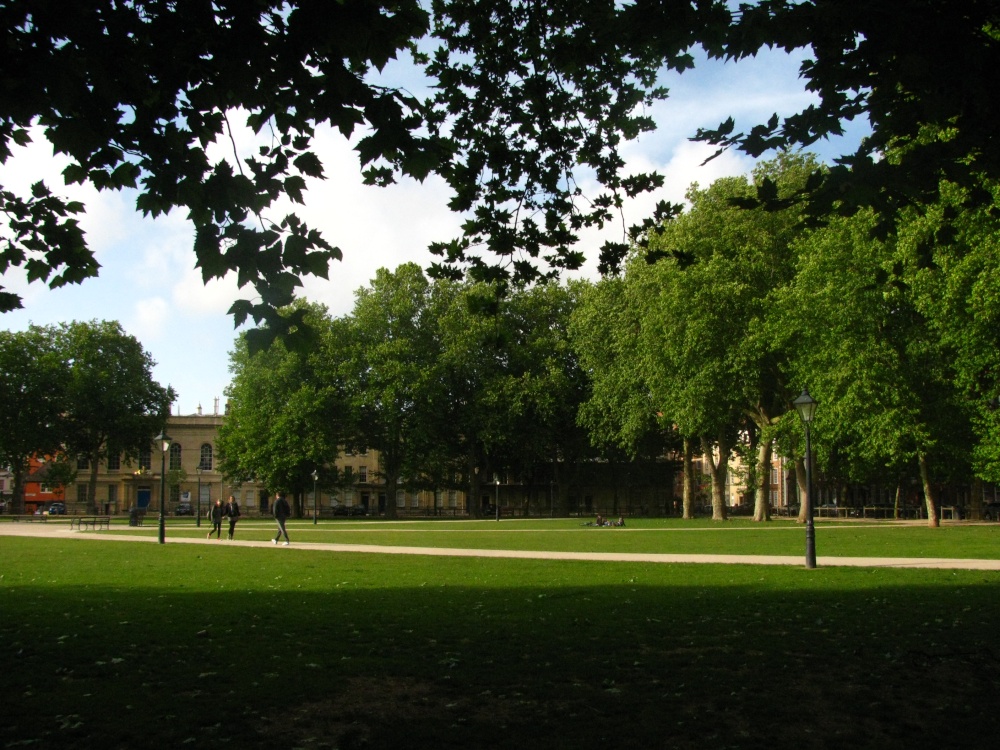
x,y
81,390
728,313
450,382
698,347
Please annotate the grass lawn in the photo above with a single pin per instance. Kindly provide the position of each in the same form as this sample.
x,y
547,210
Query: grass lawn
x,y
741,536
116,645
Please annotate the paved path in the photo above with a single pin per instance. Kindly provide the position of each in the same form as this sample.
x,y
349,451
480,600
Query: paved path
x,y
63,531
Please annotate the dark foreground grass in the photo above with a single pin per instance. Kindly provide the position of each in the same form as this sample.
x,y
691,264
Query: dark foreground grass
x,y
114,645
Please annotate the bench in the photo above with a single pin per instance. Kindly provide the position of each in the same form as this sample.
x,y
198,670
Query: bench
x,y
82,523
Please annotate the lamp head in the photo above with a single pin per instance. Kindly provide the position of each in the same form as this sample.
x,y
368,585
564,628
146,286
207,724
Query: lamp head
x,y
164,440
805,405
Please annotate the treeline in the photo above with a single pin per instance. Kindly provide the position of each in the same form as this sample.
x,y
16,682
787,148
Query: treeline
x,y
718,321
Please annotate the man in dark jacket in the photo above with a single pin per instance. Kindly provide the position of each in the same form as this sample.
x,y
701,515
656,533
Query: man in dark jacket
x,y
233,513
215,515
281,511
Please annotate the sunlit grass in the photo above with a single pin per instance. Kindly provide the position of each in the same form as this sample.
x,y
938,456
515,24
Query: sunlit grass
x,y
740,536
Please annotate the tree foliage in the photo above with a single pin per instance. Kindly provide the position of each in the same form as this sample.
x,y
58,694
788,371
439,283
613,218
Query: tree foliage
x,y
81,389
526,99
285,420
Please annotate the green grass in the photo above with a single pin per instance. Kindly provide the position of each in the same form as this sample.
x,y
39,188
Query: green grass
x,y
110,644
839,539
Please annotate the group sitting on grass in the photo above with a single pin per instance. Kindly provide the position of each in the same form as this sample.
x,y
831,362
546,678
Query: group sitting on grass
x,y
602,521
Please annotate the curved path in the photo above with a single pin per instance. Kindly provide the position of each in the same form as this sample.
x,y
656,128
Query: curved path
x,y
63,531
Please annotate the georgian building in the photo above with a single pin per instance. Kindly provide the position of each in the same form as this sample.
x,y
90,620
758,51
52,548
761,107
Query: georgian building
x,y
193,477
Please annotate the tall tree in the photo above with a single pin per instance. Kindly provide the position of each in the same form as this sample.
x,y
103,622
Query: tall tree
x,y
707,342
32,400
112,402
881,372
286,416
390,373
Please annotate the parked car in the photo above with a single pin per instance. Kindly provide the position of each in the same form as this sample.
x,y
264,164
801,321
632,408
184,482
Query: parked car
x,y
991,511
349,510
184,509
57,509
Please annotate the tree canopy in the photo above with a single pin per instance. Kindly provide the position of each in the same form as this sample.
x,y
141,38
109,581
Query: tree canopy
x,y
524,99
81,389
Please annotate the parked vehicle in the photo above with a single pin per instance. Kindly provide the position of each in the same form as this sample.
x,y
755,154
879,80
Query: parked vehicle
x,y
991,511
184,509
57,509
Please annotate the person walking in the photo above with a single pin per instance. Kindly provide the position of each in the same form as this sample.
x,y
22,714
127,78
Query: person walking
x,y
215,516
233,513
281,511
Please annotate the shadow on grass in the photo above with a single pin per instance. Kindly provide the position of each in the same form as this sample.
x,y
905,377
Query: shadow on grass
x,y
350,651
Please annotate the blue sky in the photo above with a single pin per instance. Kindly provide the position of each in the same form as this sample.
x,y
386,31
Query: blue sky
x,y
149,284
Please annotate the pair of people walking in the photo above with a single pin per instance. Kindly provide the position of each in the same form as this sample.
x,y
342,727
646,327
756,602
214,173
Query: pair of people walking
x,y
230,510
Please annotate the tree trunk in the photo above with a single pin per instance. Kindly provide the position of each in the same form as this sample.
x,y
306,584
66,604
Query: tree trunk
x,y
897,501
930,504
762,504
391,486
687,479
720,469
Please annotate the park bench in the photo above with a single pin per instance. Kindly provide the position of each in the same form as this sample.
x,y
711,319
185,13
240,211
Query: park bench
x,y
82,523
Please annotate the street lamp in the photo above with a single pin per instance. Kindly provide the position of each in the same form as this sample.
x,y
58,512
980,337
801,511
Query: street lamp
x,y
315,496
164,442
197,518
498,498
805,405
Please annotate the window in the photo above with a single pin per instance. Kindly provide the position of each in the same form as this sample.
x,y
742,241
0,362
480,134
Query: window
x,y
400,499
113,494
114,462
146,459
452,498
206,457
362,473
175,456
82,463
81,493
175,493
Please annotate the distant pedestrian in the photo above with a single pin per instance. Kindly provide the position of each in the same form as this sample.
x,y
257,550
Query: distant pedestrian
x,y
233,513
215,516
281,511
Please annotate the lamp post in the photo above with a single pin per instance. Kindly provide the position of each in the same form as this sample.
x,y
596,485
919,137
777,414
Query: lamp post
x,y
197,503
498,499
164,442
315,497
805,405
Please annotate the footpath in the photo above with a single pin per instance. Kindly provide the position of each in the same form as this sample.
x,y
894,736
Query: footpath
x,y
63,531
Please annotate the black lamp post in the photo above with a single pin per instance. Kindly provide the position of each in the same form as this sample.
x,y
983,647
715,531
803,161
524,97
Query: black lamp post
x,y
498,498
315,497
164,442
197,517
805,405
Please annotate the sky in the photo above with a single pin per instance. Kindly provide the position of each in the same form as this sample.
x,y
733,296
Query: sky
x,y
148,281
